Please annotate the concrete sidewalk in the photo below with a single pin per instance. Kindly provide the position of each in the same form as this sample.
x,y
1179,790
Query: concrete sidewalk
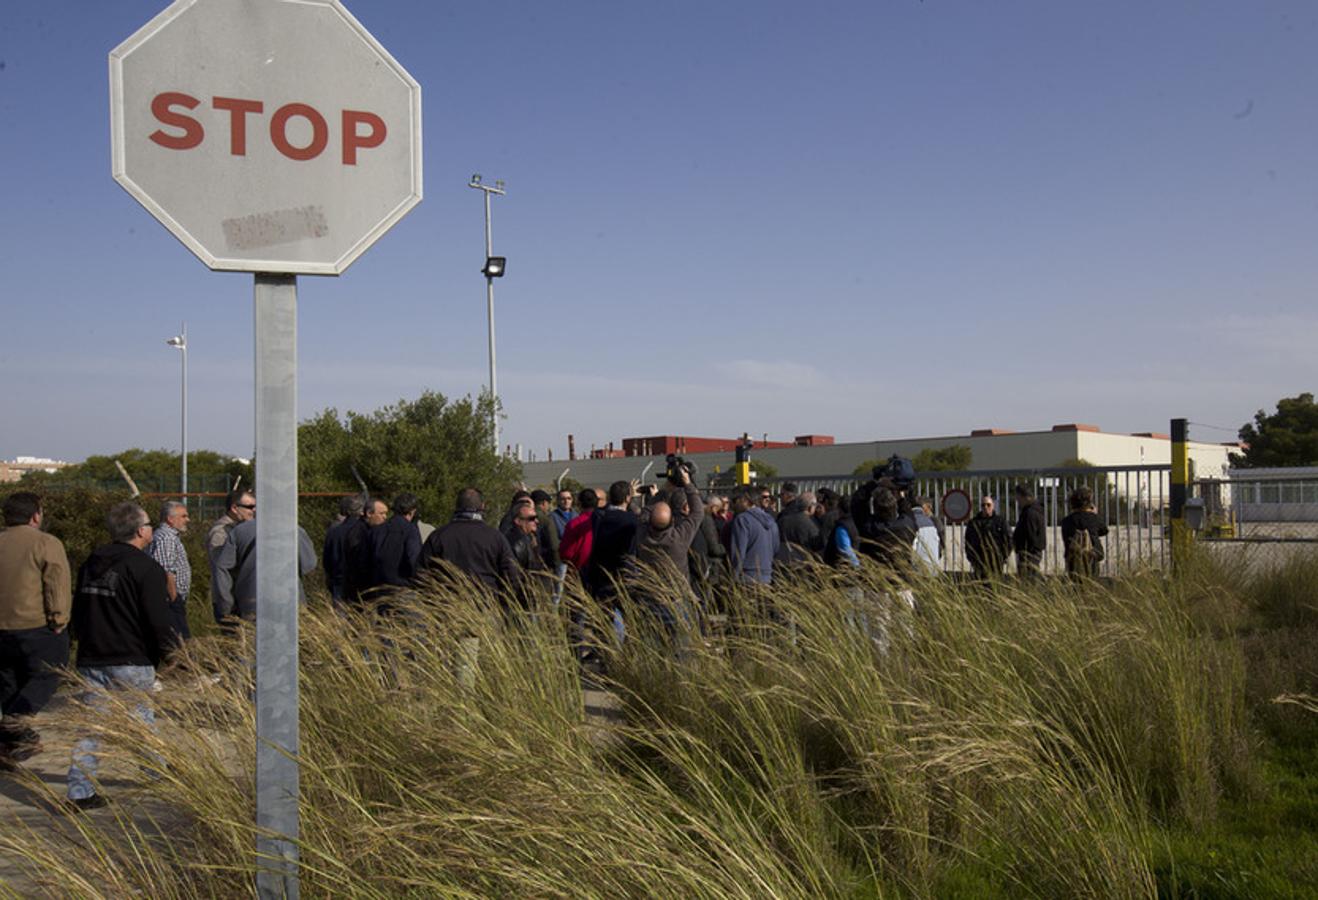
x,y
32,793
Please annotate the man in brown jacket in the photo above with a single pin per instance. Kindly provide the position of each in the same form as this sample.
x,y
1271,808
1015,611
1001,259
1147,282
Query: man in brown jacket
x,y
35,599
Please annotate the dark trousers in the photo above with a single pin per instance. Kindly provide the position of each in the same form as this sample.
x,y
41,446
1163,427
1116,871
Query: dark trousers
x,y
30,660
178,619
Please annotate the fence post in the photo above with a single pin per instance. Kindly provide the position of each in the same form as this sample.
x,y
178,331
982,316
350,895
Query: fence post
x,y
743,461
1180,490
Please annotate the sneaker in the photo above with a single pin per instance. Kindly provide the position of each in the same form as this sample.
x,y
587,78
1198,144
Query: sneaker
x,y
13,734
84,804
20,752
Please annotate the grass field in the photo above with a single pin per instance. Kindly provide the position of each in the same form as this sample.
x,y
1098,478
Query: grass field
x,y
1137,738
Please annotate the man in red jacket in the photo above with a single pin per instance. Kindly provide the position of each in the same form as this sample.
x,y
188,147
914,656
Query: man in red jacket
x,y
578,536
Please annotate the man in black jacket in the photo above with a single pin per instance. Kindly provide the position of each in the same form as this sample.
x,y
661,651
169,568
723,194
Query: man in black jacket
x,y
797,532
988,540
396,545
546,531
473,547
615,532
359,558
121,621
523,534
1030,538
888,534
336,553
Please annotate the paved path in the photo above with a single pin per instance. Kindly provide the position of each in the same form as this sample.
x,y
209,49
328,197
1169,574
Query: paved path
x,y
28,792
30,795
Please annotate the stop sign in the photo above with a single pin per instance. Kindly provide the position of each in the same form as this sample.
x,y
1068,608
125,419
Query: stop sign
x,y
272,136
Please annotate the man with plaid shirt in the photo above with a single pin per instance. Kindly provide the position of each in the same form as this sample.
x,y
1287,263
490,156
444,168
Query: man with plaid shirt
x,y
167,549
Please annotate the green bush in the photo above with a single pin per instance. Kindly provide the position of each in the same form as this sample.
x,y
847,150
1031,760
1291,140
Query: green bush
x,y
1286,596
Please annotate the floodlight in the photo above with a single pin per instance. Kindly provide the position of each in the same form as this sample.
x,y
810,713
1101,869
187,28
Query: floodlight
x,y
494,266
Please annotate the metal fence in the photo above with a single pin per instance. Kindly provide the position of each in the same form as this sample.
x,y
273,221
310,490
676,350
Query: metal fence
x,y
1133,501
1252,522
205,497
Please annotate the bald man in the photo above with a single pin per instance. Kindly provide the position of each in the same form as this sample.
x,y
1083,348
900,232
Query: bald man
x,y
668,527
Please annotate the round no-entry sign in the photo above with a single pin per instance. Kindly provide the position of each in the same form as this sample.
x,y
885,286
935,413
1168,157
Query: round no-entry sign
x,y
956,506
272,136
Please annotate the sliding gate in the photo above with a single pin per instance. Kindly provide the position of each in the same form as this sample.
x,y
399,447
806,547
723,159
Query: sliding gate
x,y
1133,500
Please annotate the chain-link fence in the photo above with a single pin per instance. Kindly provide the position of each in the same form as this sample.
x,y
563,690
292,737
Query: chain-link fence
x,y
1258,518
205,497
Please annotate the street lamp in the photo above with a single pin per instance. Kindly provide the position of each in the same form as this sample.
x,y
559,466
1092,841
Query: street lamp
x,y
494,267
180,343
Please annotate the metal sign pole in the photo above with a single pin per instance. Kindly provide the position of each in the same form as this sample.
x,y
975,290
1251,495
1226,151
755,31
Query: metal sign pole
x,y
183,332
489,307
276,587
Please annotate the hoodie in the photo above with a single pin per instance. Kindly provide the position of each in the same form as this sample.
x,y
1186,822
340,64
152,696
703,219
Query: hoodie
x,y
121,609
753,544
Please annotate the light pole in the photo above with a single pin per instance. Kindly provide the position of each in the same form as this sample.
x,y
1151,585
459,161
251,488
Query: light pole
x,y
180,343
494,266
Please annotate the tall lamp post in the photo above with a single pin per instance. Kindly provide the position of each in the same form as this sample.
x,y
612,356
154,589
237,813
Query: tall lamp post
x,y
180,343
494,266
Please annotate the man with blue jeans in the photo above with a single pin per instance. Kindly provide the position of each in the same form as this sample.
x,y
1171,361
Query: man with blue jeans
x,y
122,622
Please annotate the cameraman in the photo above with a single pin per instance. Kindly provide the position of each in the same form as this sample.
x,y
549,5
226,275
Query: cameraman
x,y
668,526
883,515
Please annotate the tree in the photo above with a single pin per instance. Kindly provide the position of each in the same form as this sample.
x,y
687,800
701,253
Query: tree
x,y
1288,437
956,458
431,447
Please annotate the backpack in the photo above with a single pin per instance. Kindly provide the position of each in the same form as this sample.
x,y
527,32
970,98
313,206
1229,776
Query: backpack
x,y
1080,548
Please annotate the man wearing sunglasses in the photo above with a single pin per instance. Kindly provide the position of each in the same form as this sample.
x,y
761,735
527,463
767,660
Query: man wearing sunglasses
x,y
239,506
988,541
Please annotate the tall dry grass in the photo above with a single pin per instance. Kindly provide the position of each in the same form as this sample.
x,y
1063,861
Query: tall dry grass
x,y
828,741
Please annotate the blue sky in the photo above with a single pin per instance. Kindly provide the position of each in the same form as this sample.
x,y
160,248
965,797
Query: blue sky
x,y
870,220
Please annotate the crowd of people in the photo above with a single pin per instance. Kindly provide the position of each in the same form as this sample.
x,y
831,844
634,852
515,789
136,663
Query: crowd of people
x,y
608,538
129,609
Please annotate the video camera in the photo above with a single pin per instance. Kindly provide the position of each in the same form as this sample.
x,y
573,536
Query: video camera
x,y
674,464
898,470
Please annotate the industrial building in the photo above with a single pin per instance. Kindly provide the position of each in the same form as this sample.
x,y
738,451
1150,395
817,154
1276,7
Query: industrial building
x,y
813,456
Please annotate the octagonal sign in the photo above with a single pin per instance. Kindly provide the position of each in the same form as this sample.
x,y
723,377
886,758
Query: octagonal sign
x,y
271,136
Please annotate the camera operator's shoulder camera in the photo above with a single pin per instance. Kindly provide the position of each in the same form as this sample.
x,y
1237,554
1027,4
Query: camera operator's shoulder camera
x,y
898,470
675,464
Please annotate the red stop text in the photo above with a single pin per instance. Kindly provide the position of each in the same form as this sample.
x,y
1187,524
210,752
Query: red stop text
x,y
359,130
